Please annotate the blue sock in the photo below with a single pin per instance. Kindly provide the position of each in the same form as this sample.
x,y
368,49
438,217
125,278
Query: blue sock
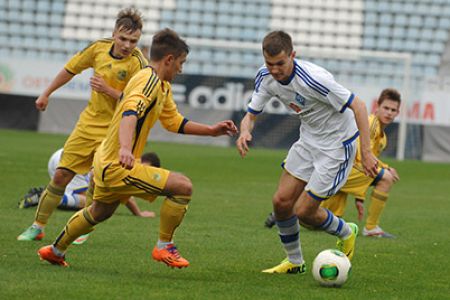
x,y
336,226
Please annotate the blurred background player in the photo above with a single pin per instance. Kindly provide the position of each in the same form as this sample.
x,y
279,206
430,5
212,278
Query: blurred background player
x,y
75,194
358,183
114,61
146,99
318,164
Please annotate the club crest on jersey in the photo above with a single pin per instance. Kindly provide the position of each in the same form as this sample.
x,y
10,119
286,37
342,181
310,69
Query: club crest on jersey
x,y
121,75
299,99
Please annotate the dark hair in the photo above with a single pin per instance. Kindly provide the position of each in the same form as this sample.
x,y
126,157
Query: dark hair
x,y
151,158
391,94
167,42
277,41
129,19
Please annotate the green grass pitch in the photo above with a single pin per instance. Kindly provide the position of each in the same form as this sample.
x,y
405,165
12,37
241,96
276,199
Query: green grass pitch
x,y
222,235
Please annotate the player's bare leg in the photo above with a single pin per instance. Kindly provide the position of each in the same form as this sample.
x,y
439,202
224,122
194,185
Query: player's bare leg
x,y
289,188
309,211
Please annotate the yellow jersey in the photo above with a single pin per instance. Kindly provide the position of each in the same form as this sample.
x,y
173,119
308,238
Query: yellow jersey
x,y
149,99
96,117
378,143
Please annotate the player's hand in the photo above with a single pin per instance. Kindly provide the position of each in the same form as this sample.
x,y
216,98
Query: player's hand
x,y
98,84
242,143
370,164
147,214
394,174
126,158
359,208
41,103
225,127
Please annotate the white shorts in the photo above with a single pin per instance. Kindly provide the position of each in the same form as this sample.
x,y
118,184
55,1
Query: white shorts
x,y
324,170
79,184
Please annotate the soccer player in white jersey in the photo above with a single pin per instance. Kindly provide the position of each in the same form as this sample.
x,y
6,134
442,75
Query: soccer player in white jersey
x,y
318,164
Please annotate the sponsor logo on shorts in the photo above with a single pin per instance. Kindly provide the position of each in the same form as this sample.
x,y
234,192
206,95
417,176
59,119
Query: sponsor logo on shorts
x,y
156,177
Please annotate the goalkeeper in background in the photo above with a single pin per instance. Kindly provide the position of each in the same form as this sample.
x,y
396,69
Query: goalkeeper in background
x,y
358,183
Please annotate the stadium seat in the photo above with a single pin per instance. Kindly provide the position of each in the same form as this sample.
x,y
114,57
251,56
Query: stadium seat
x,y
418,27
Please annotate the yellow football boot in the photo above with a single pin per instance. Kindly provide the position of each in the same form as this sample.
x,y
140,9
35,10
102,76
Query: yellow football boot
x,y
286,267
347,246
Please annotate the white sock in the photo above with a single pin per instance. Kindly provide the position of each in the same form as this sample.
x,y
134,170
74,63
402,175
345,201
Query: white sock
x,y
37,226
162,245
289,232
57,252
336,226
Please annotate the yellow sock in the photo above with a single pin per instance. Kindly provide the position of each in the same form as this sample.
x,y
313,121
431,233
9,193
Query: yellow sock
x,y
377,204
172,213
90,193
80,223
48,202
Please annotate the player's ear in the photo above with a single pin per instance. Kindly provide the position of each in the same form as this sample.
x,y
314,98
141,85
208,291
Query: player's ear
x,y
170,59
293,54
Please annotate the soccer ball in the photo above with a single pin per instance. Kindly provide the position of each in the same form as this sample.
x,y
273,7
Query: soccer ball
x,y
331,267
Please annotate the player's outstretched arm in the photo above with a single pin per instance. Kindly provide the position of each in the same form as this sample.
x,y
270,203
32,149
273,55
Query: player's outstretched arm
x,y
247,125
134,208
369,161
62,78
226,127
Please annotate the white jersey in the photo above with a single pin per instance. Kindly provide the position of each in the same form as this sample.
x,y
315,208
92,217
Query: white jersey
x,y
78,184
312,93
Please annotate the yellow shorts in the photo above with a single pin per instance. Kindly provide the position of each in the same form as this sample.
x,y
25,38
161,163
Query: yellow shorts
x,y
142,181
357,185
78,153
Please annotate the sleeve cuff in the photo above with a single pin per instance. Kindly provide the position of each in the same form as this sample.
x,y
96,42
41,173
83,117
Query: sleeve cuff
x,y
68,71
129,113
254,112
349,102
183,123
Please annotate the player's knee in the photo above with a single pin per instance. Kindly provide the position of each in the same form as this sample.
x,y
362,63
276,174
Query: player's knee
x,y
386,180
101,212
281,203
62,177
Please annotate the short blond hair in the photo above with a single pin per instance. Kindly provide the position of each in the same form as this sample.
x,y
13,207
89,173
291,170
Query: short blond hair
x,y
129,19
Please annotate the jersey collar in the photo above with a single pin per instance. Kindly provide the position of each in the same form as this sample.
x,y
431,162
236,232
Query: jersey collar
x,y
287,81
111,53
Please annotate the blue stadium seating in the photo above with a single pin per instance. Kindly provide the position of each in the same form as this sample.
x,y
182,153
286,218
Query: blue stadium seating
x,y
50,29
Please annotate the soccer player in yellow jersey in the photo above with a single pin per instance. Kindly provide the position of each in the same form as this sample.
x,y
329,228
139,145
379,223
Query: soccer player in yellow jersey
x,y
114,62
118,175
358,183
